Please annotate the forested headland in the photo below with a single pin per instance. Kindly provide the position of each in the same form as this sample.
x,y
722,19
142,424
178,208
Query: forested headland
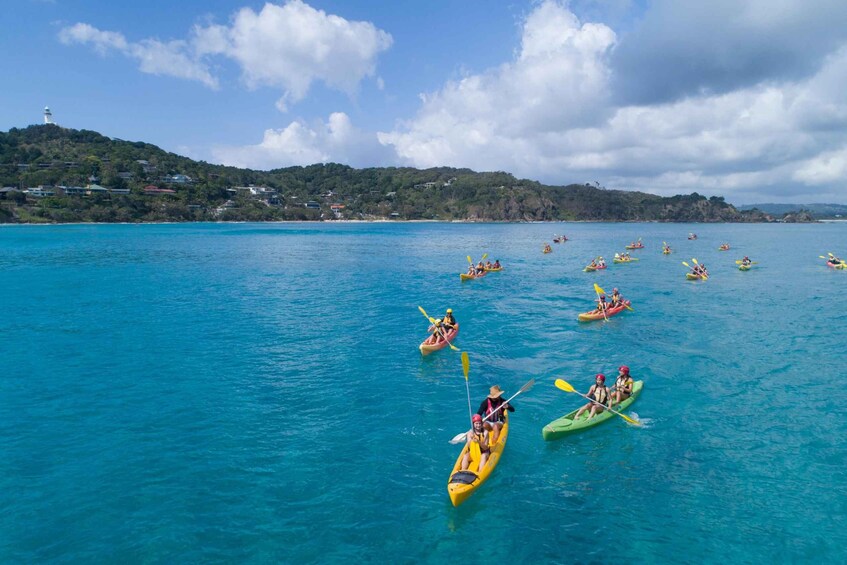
x,y
51,174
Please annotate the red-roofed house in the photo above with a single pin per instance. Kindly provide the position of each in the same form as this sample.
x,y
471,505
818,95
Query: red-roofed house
x,y
150,189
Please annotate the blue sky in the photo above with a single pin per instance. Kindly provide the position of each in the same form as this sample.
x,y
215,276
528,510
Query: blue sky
x,y
737,98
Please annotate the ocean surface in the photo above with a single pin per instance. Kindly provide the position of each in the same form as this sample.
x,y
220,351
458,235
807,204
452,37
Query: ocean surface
x,y
254,393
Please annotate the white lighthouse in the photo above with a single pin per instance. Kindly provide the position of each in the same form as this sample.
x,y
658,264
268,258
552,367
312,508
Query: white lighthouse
x,y
48,116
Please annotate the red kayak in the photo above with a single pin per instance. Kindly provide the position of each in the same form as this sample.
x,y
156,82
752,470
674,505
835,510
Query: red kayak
x,y
594,315
428,346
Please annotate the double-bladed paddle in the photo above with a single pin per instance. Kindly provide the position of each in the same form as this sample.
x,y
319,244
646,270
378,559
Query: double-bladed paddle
x,y
566,386
459,438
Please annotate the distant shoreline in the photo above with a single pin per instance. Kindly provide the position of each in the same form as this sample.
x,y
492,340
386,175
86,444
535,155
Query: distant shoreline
x,y
330,222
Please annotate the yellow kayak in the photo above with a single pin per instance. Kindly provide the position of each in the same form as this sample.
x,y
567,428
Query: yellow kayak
x,y
462,484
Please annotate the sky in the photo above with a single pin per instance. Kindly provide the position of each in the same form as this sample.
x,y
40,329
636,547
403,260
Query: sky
x,y
745,99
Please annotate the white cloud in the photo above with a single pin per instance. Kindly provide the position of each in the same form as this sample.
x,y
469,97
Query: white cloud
x,y
548,114
154,57
301,143
293,45
287,46
102,41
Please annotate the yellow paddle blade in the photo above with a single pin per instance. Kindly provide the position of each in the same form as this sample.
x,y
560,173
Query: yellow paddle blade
x,y
564,385
598,290
475,451
686,264
693,260
424,313
821,256
630,420
469,260
466,364
484,255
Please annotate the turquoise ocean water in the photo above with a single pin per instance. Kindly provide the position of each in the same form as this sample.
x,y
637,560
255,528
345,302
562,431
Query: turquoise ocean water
x,y
254,393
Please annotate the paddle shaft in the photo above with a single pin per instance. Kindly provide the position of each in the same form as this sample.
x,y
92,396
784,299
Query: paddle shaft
x,y
585,396
463,436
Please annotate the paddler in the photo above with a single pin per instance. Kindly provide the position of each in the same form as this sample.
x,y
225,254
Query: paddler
x,y
746,261
601,262
599,395
480,267
492,411
448,321
616,298
593,264
437,333
488,265
478,435
497,263
471,271
623,385
601,304
666,249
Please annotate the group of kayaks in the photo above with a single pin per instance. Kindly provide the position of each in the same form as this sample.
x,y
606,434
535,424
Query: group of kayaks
x,y
463,483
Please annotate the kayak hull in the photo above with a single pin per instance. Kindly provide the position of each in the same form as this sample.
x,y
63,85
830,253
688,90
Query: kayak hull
x,y
466,277
744,267
589,268
427,348
497,270
838,266
693,277
630,260
594,316
565,425
462,484
633,247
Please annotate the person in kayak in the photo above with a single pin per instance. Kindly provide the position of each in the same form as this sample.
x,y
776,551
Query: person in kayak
x,y
593,264
547,248
437,333
497,263
616,298
666,249
623,385
488,265
471,271
601,262
746,261
448,321
692,236
599,395
489,406
479,435
602,305
480,268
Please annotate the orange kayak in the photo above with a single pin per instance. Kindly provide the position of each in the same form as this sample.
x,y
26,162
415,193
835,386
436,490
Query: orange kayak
x,y
428,346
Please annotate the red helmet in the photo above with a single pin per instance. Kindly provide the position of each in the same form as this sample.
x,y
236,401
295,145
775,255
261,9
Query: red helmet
x,y
601,377
624,369
476,418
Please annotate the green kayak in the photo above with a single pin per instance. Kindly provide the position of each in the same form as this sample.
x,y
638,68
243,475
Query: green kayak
x,y
565,425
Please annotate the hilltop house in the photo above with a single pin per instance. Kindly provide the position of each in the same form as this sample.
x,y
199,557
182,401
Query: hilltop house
x,y
154,190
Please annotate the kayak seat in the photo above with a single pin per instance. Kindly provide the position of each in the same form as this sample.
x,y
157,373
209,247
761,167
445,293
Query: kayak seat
x,y
464,477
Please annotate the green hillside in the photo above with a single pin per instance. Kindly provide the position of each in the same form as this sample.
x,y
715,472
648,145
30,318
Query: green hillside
x,y
50,156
